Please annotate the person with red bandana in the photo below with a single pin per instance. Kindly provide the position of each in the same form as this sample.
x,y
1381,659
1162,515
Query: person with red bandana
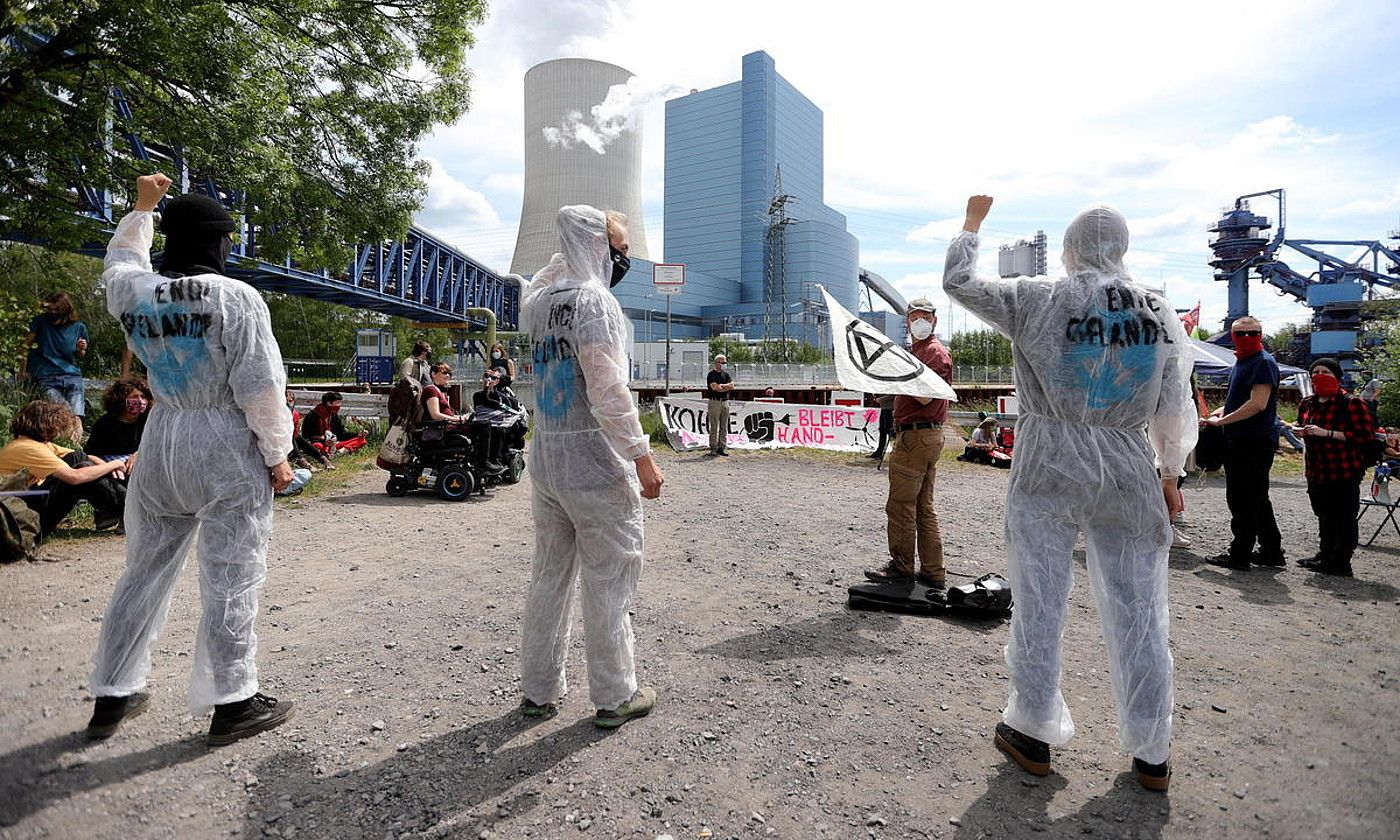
x,y
326,430
1337,427
1247,418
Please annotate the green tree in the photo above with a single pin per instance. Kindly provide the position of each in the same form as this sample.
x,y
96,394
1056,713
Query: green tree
x,y
1383,360
312,108
980,347
1285,346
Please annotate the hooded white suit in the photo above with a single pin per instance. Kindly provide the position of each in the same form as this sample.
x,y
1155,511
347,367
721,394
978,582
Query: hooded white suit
x,y
587,506
1102,375
218,423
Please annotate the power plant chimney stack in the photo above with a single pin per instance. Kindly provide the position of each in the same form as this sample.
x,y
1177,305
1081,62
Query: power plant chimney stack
x,y
571,159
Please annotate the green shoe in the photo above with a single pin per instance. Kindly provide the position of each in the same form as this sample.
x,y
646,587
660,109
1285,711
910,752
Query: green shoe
x,y
529,709
640,705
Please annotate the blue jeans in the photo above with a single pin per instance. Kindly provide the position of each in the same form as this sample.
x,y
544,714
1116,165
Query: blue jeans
x,y
66,389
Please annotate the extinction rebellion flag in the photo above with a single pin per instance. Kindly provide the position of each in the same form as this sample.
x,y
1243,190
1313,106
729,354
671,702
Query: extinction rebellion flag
x,y
867,360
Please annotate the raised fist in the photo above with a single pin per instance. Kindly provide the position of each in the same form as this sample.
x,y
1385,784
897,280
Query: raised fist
x,y
150,189
977,208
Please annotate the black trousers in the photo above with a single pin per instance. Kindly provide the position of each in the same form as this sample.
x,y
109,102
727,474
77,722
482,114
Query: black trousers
x,y
1336,505
1247,495
107,497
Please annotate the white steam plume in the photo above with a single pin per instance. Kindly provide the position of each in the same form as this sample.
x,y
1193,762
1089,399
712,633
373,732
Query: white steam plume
x,y
608,119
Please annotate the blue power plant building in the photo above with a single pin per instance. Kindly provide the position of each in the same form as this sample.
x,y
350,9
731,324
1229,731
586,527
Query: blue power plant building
x,y
744,212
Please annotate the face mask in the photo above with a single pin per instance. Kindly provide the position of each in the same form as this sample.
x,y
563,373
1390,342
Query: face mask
x,y
334,409
1247,345
136,406
496,354
1326,385
620,263
921,329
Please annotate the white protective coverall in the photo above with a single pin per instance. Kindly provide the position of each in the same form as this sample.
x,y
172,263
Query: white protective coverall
x,y
587,503
1102,375
219,421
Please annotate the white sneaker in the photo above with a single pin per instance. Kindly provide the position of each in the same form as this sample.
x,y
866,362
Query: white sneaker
x,y
1180,540
1179,518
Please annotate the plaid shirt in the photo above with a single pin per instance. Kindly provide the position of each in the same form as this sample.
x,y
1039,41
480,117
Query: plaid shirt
x,y
1333,461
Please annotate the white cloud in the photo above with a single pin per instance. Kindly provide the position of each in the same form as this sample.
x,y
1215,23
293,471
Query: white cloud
x,y
450,199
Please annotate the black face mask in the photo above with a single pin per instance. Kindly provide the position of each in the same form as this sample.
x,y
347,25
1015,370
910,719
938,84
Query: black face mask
x,y
196,229
620,263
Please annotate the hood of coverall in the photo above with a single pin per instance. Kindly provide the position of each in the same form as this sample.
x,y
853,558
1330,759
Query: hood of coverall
x,y
1096,240
583,235
196,229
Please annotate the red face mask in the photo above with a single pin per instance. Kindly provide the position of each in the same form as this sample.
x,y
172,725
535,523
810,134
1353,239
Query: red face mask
x,y
1326,385
1247,345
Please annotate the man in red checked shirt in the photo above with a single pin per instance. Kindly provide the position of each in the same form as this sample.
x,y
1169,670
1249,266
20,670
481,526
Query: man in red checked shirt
x,y
918,422
1337,427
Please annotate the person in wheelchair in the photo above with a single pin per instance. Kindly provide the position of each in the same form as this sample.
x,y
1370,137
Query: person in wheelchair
x,y
443,428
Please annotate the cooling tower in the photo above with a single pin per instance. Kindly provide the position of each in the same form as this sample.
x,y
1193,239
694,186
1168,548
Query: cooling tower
x,y
562,93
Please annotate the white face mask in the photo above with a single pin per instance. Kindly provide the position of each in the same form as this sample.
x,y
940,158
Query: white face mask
x,y
921,329
495,354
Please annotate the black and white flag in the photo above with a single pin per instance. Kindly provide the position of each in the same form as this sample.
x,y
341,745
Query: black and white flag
x,y
867,360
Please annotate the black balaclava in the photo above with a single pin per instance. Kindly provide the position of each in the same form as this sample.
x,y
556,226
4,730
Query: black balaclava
x,y
620,264
196,229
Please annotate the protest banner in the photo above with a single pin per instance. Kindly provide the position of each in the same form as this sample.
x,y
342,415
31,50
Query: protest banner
x,y
754,425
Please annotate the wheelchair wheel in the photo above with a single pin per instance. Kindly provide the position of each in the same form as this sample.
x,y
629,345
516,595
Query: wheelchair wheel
x,y
397,486
514,469
456,484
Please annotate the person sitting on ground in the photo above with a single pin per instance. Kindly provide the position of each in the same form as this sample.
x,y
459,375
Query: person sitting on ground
x,y
982,443
66,475
117,434
303,456
326,430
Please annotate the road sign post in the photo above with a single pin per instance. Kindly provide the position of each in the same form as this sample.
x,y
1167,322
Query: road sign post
x,y
668,279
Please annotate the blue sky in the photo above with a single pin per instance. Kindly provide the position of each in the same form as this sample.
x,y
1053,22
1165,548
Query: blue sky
x,y
1166,113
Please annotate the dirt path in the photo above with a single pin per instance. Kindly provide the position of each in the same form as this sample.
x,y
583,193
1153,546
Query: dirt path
x,y
393,624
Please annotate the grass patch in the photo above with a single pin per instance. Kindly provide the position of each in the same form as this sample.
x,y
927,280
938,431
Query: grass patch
x,y
653,427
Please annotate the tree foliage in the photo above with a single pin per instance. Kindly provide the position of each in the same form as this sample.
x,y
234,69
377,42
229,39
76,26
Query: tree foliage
x,y
980,347
1285,346
1382,359
312,108
769,352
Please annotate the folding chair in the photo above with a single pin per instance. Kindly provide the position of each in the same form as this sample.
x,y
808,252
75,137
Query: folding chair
x,y
1379,497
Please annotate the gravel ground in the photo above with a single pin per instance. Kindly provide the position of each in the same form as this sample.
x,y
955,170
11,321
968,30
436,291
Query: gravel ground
x,y
393,624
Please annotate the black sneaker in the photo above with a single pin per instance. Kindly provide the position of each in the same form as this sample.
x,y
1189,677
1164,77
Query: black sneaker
x,y
1032,755
246,718
492,468
109,712
103,523
1153,776
724,452
1332,568
1275,560
1312,562
1228,562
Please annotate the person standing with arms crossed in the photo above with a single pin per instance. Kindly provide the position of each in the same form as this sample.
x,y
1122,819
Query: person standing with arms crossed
x,y
213,452
718,384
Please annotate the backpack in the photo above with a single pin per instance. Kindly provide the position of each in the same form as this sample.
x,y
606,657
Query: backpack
x,y
406,404
19,524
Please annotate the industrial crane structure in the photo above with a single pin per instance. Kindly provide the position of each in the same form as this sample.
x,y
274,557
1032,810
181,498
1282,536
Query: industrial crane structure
x,y
1335,290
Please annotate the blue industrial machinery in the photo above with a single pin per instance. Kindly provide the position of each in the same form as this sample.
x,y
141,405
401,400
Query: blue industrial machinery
x,y
1335,291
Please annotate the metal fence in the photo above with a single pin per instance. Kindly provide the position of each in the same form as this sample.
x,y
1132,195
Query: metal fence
x,y
745,375
981,375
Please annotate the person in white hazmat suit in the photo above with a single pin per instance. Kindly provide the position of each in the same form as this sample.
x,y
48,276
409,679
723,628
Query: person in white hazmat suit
x,y
214,450
588,444
1106,422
